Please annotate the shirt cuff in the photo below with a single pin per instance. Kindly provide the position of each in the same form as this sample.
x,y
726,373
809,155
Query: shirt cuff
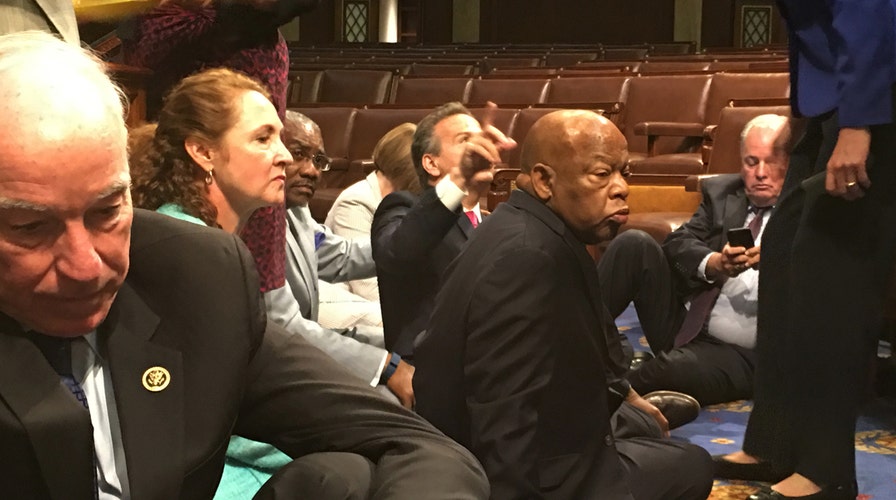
x,y
449,194
701,269
379,371
620,387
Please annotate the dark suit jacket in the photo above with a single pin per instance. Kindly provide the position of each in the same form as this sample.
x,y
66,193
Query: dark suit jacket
x,y
723,207
414,239
191,304
516,360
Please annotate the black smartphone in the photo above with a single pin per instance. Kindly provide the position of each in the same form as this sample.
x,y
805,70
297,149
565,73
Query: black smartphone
x,y
741,237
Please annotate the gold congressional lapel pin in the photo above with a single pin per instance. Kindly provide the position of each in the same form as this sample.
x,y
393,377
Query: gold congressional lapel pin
x,y
156,379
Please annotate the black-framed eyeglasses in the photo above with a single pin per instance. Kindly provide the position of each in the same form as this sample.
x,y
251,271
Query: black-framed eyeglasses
x,y
303,153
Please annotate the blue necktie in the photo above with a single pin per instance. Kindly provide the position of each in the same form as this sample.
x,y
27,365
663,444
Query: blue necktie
x,y
58,352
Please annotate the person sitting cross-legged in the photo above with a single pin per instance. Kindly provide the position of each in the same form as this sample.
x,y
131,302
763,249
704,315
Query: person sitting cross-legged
x,y
706,349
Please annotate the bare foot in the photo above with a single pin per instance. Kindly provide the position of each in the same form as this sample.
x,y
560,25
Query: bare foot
x,y
796,486
739,457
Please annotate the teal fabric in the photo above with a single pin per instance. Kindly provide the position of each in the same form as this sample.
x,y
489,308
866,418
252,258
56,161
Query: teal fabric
x,y
172,210
248,464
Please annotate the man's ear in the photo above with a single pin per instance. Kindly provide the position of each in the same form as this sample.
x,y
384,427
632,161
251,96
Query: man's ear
x,y
200,153
430,167
542,180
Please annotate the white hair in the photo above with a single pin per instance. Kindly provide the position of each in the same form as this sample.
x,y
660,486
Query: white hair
x,y
770,122
56,88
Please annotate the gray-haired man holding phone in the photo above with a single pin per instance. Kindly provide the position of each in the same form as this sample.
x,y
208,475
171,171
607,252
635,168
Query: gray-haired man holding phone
x,y
697,294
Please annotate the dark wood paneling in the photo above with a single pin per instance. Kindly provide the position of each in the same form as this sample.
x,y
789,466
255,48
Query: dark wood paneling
x,y
318,26
436,21
557,21
718,23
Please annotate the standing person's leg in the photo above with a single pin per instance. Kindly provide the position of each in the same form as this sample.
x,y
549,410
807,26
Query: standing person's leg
x,y
634,268
768,435
846,255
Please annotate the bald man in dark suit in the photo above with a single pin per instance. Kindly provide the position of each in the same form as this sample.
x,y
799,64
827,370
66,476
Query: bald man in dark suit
x,y
522,362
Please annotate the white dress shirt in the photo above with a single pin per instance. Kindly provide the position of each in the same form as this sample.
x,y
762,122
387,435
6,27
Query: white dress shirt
x,y
733,318
90,370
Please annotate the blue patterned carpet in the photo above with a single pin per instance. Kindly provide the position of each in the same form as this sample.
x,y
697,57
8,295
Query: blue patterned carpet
x,y
720,429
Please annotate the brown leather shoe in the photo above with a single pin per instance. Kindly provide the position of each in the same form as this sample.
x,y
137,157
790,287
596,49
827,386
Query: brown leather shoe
x,y
677,407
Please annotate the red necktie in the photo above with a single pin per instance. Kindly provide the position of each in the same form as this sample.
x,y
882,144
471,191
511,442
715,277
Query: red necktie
x,y
755,225
698,313
472,216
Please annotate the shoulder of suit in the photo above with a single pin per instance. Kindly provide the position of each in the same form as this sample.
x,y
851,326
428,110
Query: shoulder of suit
x,y
150,228
397,199
723,183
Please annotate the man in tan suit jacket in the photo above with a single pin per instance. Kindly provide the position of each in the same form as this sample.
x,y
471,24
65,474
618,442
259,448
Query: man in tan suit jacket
x,y
55,16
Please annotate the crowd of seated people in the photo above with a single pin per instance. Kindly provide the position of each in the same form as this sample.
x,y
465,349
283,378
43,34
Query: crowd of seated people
x,y
494,329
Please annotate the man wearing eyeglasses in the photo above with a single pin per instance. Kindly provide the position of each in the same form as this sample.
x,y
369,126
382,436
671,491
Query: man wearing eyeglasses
x,y
314,252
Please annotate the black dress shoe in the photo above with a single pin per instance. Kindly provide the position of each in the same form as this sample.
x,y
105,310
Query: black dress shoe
x,y
826,493
677,407
762,471
639,358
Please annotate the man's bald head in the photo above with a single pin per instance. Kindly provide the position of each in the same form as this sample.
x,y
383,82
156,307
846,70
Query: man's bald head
x,y
574,162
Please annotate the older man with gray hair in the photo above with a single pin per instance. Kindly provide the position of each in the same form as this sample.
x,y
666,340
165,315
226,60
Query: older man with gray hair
x,y
697,294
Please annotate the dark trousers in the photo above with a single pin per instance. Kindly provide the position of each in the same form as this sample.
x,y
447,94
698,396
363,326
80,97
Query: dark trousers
x,y
634,269
825,265
324,476
658,468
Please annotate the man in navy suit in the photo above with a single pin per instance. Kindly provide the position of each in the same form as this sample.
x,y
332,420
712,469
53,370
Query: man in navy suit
x,y
827,253
414,238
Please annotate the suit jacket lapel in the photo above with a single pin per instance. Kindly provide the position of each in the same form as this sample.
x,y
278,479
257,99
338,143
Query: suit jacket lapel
x,y
735,210
613,353
151,422
62,16
301,246
466,227
57,425
610,346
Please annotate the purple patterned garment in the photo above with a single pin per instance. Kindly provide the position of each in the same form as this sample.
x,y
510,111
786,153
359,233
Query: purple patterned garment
x,y
175,42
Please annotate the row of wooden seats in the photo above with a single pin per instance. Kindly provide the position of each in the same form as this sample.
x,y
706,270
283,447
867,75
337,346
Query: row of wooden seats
x,y
552,55
351,133
479,60
662,116
529,66
600,51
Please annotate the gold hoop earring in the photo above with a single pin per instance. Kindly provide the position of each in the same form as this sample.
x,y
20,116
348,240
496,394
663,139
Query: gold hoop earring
x,y
209,177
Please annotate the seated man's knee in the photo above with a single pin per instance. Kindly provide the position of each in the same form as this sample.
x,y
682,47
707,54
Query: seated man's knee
x,y
661,469
635,242
325,476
